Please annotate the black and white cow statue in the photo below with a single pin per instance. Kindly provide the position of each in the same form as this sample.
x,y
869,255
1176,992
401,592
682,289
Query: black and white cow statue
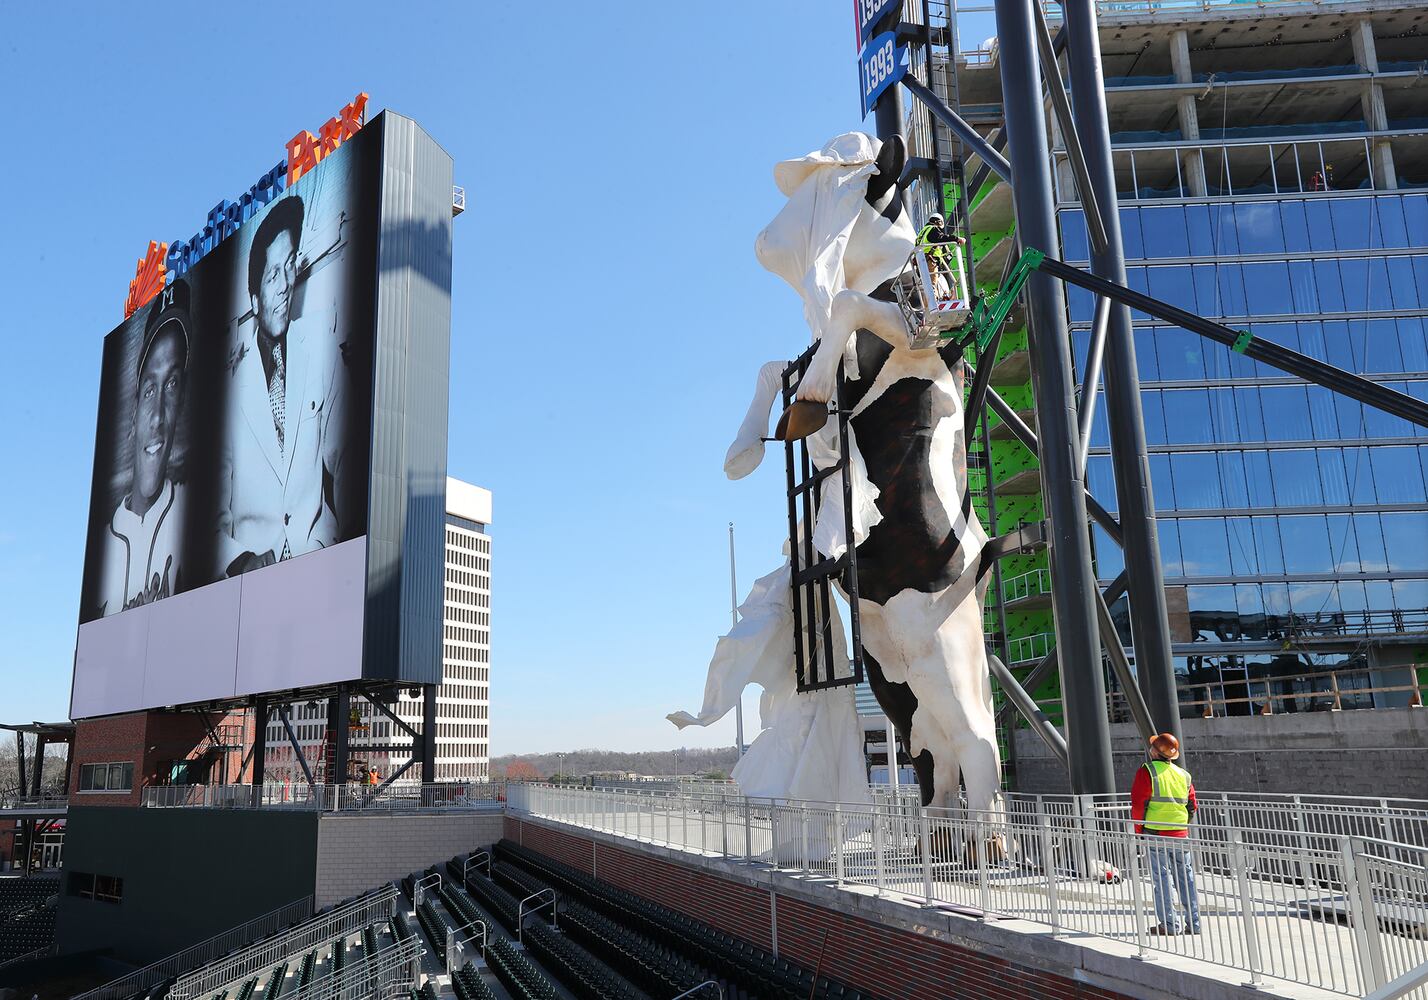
x,y
840,241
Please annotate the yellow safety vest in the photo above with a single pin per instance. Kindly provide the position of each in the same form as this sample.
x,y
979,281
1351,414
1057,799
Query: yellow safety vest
x,y
1168,807
924,243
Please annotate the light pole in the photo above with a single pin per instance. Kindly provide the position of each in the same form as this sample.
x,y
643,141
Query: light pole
x,y
560,776
676,764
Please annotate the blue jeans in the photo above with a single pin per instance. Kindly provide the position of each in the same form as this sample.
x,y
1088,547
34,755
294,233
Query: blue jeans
x,y
1170,862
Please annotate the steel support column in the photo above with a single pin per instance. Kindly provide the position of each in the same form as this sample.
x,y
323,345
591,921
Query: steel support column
x,y
260,748
38,771
339,720
1083,684
1150,624
428,733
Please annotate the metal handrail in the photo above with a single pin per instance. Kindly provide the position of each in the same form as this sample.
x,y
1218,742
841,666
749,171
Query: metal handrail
x,y
521,912
474,858
424,883
398,965
708,982
453,945
202,952
320,929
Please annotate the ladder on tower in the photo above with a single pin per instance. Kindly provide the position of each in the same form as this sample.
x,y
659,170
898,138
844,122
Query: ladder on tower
x,y
812,575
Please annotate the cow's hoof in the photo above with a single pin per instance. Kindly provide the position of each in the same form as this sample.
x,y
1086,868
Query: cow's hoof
x,y
801,419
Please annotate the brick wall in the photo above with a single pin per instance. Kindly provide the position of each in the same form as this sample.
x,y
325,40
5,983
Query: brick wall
x,y
150,741
357,853
891,962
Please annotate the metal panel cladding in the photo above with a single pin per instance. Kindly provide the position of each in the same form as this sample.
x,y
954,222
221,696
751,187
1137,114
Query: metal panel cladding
x,y
407,507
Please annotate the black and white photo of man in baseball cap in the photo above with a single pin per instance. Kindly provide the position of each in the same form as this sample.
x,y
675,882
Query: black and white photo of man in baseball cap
x,y
143,541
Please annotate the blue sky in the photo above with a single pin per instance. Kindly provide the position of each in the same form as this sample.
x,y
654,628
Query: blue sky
x,y
608,314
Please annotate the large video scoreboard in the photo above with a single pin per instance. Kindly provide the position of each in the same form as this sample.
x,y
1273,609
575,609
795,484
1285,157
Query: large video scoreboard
x,y
270,451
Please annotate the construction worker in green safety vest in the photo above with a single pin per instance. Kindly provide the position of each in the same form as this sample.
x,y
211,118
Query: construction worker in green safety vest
x,y
1162,805
938,242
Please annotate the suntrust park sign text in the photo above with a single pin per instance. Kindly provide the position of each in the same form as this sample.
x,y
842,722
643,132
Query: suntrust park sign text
x,y
304,151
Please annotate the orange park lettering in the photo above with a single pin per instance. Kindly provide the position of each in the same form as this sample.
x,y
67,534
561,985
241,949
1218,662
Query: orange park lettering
x,y
306,150
148,278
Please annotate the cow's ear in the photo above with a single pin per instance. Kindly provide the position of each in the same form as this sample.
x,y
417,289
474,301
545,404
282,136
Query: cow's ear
x,y
891,159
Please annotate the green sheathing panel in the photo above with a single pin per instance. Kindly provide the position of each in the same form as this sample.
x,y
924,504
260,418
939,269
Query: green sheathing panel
x,y
188,874
1029,622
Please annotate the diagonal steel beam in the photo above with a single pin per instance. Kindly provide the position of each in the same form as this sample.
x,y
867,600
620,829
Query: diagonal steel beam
x,y
1018,698
970,137
1091,380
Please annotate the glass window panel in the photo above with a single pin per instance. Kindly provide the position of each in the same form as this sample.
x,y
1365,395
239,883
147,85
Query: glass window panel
x,y
1420,270
1146,364
1204,546
1267,545
1172,284
1243,559
1223,420
116,777
1202,233
1232,478
1352,417
1392,229
1303,288
1168,531
1080,344
1286,413
1232,290
1355,274
1329,284
1101,480
1100,429
1276,598
1332,475
1321,226
1311,340
1131,233
1410,595
1339,345
1379,292
1372,555
1344,546
1312,599
1109,558
1223,237
1081,304
1352,228
1415,213
1162,483
1197,480
1248,414
1182,354
1397,474
1296,225
1306,543
1379,594
1258,479
1214,615
1249,601
1073,235
1412,343
1259,227
1187,416
1135,278
1402,282
1267,285
1381,424
1168,234
1296,478
1207,291
1352,597
1381,352
1150,405
1322,416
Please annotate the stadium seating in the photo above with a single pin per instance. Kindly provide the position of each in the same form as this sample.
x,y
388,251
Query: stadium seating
x,y
658,970
516,972
739,963
585,974
469,985
434,927
21,894
30,928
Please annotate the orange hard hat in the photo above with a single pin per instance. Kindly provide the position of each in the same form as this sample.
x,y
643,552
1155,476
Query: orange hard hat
x,y
1166,745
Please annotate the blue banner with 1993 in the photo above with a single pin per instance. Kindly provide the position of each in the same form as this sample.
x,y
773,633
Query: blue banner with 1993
x,y
881,65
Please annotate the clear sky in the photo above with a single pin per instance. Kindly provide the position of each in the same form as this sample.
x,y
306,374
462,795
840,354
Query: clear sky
x,y
608,315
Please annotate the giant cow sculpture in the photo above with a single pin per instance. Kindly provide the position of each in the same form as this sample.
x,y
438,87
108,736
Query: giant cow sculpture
x,y
841,240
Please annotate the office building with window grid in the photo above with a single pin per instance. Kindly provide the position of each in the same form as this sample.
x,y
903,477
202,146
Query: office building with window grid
x,y
1270,161
463,715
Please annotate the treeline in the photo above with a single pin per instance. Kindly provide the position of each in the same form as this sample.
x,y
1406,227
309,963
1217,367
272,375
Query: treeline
x,y
716,762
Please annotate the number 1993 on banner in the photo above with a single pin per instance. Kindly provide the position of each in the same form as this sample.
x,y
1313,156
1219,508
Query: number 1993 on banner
x,y
882,64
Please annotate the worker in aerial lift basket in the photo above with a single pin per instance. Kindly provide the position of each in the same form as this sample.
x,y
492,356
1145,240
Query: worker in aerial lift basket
x,y
939,242
1162,805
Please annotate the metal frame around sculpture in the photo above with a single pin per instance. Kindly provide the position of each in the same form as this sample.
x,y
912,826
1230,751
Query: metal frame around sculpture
x,y
1028,62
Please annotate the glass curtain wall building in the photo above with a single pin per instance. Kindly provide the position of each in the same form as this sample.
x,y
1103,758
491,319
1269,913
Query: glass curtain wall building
x,y
1268,162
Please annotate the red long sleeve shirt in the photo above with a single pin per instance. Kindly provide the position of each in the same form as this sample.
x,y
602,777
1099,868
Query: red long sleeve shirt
x,y
1140,795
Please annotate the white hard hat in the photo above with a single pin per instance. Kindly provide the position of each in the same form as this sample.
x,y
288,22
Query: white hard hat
x,y
935,217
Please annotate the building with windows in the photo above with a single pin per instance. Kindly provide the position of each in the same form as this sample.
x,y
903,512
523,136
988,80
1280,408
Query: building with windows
x,y
463,715
1270,163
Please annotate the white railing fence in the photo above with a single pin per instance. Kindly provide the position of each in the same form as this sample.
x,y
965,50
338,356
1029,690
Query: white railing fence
x,y
1295,890
205,951
354,916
